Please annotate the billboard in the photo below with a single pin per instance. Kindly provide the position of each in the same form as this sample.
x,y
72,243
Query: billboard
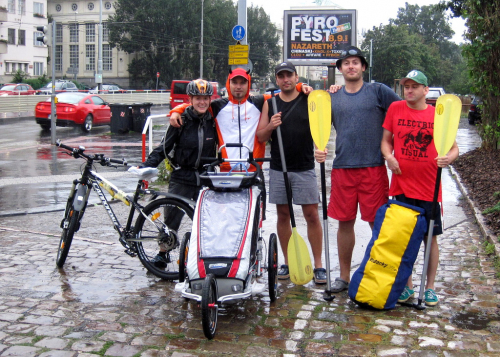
x,y
317,37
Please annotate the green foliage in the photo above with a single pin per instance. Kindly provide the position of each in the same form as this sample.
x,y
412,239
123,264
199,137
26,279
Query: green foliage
x,y
419,38
488,248
165,35
38,82
19,76
495,208
482,53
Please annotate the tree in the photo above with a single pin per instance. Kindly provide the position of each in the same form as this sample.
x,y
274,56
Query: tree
x,y
482,54
165,37
396,52
263,39
419,38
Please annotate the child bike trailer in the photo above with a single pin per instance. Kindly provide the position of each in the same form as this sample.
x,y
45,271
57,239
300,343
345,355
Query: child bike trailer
x,y
397,234
224,255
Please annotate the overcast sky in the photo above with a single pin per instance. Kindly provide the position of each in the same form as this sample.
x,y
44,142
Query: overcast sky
x,y
370,12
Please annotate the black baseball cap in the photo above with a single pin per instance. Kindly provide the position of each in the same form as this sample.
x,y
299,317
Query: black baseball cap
x,y
350,52
285,66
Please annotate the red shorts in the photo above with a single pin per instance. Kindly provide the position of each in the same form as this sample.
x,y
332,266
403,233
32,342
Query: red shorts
x,y
368,186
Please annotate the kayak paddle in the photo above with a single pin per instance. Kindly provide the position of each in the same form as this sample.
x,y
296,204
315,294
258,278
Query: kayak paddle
x,y
299,261
319,105
446,120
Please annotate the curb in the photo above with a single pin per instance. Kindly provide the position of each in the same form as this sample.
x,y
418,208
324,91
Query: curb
x,y
481,222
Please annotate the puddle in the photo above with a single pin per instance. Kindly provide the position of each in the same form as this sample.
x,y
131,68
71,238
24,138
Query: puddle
x,y
472,321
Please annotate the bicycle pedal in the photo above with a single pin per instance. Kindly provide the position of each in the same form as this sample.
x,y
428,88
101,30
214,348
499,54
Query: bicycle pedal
x,y
130,252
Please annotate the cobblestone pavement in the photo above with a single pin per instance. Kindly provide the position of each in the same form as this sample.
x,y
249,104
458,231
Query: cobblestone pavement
x,y
104,303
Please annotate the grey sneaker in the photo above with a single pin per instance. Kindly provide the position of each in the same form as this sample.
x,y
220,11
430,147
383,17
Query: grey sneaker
x,y
320,276
283,273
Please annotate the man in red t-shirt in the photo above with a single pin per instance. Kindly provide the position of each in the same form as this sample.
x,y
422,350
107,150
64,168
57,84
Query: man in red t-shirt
x,y
408,147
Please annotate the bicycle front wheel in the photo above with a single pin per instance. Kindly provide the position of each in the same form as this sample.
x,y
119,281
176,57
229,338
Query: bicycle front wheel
x,y
158,237
70,225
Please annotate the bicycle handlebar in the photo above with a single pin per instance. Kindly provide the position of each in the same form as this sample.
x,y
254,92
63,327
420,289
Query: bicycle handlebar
x,y
78,152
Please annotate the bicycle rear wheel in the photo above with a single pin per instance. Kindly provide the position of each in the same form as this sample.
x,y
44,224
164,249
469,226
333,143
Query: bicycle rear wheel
x,y
69,229
169,220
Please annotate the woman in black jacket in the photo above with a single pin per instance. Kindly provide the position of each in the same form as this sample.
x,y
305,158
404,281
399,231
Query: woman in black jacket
x,y
197,138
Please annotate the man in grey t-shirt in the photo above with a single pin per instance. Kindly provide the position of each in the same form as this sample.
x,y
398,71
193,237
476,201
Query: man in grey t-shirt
x,y
359,176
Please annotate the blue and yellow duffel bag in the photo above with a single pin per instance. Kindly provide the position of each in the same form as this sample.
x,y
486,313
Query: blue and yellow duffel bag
x,y
398,232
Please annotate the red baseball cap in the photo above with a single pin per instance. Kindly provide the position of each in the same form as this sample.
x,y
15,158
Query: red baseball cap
x,y
239,72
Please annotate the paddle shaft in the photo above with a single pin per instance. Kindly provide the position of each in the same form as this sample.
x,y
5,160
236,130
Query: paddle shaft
x,y
429,235
325,229
283,166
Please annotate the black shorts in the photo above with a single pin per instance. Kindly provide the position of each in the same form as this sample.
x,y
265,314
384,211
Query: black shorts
x,y
427,206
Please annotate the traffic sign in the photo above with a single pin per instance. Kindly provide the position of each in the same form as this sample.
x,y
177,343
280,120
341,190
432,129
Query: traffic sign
x,y
157,74
238,32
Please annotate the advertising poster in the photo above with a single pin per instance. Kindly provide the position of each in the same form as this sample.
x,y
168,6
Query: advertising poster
x,y
317,37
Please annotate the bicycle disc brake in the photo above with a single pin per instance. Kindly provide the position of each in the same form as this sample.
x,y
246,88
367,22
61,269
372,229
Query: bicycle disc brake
x,y
168,240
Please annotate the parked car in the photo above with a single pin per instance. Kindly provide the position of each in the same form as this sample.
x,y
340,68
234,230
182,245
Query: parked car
x,y
108,88
16,89
433,95
61,86
475,110
74,109
178,92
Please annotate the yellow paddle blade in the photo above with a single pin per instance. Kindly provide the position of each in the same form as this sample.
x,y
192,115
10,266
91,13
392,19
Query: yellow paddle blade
x,y
319,104
299,262
446,120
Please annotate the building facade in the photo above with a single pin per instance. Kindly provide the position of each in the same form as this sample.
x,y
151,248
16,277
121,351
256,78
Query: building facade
x,y
19,49
76,41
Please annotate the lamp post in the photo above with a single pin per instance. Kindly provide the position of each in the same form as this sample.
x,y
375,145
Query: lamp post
x,y
201,43
98,78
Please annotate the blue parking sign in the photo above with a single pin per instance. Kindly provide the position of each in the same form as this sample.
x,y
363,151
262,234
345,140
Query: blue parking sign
x,y
238,32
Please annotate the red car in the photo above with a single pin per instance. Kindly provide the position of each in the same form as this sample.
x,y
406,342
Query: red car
x,y
16,89
74,109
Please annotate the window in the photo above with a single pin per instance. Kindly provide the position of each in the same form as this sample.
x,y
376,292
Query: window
x,y
90,6
21,38
59,33
13,67
107,59
107,5
12,36
7,67
74,7
90,57
73,56
105,32
73,32
58,62
21,8
38,8
11,6
90,32
38,68
35,42
58,7
98,101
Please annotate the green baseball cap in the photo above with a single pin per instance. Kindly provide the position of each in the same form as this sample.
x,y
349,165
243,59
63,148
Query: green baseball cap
x,y
416,76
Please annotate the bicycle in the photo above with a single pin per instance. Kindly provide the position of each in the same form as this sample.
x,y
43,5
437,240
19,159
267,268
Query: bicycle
x,y
159,223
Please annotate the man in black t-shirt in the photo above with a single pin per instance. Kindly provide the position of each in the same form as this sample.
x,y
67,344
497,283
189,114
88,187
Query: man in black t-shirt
x,y
298,145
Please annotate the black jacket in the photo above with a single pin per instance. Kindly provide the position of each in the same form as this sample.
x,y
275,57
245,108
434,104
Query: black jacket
x,y
196,138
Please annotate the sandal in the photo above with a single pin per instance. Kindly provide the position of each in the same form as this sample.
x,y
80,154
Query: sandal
x,y
339,285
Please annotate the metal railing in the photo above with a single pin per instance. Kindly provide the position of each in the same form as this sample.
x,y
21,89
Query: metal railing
x,y
148,128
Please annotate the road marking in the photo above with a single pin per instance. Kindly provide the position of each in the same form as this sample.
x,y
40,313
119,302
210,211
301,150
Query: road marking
x,y
55,235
